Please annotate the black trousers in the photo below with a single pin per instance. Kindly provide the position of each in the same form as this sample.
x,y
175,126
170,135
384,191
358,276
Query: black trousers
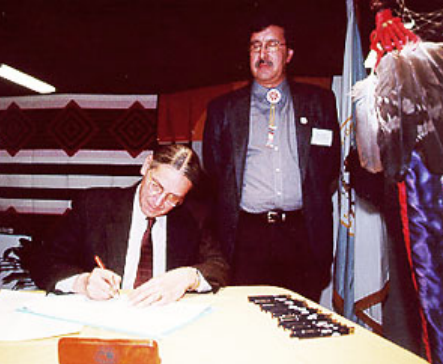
x,y
275,253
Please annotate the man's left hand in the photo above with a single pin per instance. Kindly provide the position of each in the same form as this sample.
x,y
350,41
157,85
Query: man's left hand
x,y
166,288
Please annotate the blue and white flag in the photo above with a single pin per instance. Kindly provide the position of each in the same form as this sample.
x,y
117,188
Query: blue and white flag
x,y
361,266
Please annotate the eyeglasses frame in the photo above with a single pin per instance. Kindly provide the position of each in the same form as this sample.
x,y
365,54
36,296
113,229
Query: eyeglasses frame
x,y
152,181
256,46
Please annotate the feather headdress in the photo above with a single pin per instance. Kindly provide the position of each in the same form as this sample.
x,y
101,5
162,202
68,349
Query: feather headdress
x,y
399,108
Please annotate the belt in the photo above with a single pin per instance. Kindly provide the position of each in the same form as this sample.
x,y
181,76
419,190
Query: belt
x,y
273,217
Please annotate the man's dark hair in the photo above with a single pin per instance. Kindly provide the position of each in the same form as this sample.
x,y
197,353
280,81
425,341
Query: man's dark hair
x,y
261,21
180,157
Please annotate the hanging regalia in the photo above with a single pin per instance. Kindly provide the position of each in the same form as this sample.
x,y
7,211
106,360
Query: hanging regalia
x,y
399,130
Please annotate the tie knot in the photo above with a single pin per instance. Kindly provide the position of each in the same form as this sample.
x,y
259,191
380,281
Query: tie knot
x,y
151,221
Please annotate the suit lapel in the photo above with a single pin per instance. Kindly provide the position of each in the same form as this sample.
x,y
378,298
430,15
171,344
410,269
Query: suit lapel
x,y
240,132
180,243
303,127
117,230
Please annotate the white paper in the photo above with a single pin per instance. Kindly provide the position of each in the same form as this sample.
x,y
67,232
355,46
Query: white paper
x,y
16,326
117,314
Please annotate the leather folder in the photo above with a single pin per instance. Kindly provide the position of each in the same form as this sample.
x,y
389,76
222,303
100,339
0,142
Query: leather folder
x,y
79,350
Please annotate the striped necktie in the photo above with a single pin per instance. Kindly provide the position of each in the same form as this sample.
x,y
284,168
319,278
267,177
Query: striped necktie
x,y
144,271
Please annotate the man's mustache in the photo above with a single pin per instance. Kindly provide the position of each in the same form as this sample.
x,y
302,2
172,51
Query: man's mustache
x,y
263,61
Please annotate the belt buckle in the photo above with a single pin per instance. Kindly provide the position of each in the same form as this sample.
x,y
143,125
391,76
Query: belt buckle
x,y
274,217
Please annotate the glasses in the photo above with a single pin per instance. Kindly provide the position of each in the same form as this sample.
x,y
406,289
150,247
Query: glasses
x,y
156,189
270,46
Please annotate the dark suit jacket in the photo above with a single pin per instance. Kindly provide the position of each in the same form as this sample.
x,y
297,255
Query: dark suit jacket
x,y
225,145
99,224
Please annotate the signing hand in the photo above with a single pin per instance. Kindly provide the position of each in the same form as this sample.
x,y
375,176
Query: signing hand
x,y
100,284
166,288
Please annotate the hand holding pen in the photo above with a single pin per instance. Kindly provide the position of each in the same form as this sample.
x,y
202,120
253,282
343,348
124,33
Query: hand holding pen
x,y
101,283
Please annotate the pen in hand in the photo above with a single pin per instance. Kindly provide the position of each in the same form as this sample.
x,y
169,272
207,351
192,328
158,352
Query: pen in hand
x,y
102,266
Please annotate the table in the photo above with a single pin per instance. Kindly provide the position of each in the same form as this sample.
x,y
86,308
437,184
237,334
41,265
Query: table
x,y
237,332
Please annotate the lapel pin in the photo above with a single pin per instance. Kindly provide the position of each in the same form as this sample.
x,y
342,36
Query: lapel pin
x,y
303,120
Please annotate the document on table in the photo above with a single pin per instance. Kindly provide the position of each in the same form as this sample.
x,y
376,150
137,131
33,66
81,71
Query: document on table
x,y
16,326
117,314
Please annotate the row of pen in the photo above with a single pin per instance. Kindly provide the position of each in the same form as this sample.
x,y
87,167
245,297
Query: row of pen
x,y
298,318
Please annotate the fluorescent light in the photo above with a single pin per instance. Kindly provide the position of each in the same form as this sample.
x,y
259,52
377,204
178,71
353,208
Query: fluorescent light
x,y
25,80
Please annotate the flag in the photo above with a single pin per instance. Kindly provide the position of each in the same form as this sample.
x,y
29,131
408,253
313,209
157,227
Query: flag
x,y
360,265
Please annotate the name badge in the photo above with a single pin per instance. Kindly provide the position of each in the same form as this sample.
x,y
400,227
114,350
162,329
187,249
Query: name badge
x,y
322,137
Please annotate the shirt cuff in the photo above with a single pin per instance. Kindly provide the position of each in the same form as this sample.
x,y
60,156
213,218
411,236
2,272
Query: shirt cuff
x,y
66,285
203,285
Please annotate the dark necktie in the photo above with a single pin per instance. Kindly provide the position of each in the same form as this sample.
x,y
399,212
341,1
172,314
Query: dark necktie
x,y
144,271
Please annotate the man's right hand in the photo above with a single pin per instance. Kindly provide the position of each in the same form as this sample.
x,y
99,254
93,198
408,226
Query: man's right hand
x,y
100,284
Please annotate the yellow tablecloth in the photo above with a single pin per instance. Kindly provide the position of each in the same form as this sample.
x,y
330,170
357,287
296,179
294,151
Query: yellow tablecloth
x,y
236,332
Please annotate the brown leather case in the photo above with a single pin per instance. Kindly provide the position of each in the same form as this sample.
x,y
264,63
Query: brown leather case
x,y
75,350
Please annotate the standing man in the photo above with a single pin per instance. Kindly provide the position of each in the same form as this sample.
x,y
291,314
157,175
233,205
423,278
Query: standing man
x,y
108,225
272,150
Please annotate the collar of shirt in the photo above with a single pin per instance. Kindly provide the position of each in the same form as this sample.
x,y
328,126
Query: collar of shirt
x,y
259,92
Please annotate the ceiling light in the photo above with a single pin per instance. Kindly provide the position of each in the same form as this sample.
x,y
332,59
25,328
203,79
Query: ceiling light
x,y
25,80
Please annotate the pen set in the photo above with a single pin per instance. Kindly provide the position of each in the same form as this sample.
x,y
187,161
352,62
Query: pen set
x,y
301,320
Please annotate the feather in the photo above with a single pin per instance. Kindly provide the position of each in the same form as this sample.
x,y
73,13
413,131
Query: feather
x,y
407,97
396,104
367,126
426,62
